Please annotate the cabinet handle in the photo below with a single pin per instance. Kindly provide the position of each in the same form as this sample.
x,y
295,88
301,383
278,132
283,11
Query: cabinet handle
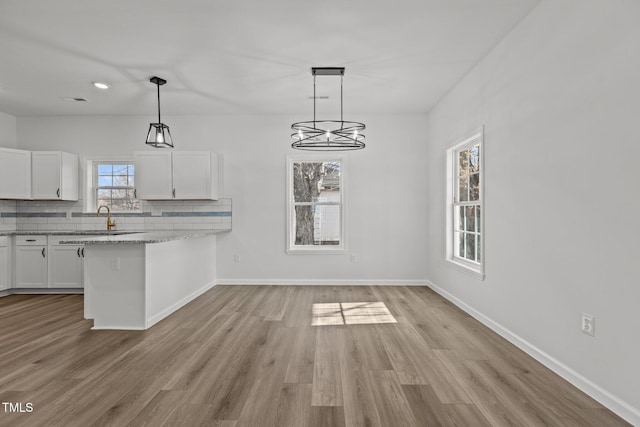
x,y
174,193
43,252
82,252
58,192
31,240
78,252
135,193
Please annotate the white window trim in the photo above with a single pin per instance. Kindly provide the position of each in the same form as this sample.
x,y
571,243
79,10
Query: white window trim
x,y
470,268
91,184
290,248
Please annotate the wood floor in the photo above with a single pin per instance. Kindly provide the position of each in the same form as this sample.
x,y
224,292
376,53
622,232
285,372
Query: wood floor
x,y
248,356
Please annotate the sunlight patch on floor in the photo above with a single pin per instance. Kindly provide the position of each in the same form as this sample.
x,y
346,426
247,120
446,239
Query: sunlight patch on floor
x,y
350,313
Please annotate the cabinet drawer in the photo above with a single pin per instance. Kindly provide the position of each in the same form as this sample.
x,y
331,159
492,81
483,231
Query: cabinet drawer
x,y
31,240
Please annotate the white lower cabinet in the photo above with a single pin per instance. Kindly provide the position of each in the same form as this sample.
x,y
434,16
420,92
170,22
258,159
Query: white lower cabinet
x,y
31,262
42,262
66,265
4,263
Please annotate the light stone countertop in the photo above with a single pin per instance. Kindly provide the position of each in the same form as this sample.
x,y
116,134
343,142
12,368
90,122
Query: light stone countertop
x,y
65,232
143,237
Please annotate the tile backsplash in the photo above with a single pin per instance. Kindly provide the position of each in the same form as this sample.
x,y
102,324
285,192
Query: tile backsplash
x,y
155,215
7,215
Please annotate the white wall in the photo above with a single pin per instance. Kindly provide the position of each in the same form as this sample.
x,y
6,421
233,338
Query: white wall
x,y
8,135
559,99
8,139
387,234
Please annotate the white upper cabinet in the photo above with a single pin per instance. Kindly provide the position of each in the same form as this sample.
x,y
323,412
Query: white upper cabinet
x,y
153,175
15,174
176,175
195,175
54,175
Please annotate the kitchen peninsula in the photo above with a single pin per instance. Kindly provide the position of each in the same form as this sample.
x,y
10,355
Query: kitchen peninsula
x,y
132,281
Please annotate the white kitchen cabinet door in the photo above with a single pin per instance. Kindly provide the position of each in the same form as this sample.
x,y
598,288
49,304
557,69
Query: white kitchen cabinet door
x,y
153,176
15,174
195,175
54,175
66,266
176,175
4,263
31,267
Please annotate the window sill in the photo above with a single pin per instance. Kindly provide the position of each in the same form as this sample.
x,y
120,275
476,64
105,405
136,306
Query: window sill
x,y
311,251
467,269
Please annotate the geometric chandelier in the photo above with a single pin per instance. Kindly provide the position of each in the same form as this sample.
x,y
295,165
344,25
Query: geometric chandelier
x,y
327,135
159,135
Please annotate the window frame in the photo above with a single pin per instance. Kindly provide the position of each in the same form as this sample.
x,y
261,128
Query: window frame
x,y
93,187
290,246
475,269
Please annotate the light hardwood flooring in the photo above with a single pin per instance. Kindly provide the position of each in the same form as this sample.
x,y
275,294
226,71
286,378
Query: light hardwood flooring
x,y
248,356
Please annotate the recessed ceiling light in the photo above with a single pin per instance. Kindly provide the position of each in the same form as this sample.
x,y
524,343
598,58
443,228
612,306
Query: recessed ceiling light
x,y
101,85
70,99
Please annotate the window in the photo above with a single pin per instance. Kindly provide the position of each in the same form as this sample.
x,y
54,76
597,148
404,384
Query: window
x,y
465,231
114,186
315,199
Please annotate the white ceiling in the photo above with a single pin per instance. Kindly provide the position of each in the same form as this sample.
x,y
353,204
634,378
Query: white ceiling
x,y
233,57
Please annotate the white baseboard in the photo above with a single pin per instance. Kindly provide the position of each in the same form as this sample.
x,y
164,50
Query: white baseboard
x,y
116,328
177,305
41,291
612,402
329,282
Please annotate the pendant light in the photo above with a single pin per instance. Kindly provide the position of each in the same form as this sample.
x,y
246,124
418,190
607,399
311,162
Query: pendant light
x,y
327,135
159,135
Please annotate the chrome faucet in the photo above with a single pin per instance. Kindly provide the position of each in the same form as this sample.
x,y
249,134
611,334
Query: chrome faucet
x,y
110,224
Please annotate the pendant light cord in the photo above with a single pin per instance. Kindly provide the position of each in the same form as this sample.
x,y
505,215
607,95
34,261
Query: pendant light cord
x,y
314,100
158,85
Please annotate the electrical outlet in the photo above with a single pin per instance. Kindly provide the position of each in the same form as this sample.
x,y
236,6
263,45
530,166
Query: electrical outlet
x,y
156,212
236,257
115,264
69,215
354,258
588,324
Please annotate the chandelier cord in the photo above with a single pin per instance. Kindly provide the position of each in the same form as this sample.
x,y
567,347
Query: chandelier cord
x,y
341,118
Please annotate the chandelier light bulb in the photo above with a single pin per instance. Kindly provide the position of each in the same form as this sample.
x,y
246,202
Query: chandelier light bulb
x,y
300,134
159,136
